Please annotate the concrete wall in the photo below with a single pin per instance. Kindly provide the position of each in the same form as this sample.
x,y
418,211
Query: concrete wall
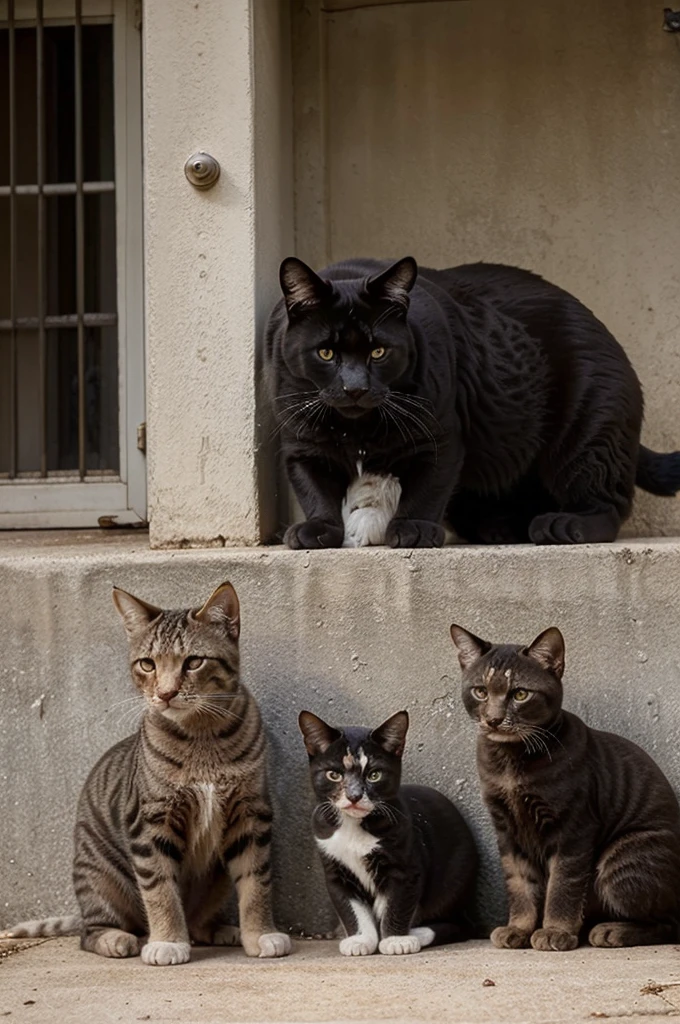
x,y
211,256
543,134
351,635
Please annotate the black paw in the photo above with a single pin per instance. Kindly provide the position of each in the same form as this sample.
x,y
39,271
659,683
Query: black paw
x,y
314,533
557,528
414,533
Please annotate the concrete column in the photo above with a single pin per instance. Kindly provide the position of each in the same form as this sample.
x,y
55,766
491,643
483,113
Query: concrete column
x,y
203,302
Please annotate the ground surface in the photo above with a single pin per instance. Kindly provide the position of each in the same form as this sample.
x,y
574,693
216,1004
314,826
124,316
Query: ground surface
x,y
55,982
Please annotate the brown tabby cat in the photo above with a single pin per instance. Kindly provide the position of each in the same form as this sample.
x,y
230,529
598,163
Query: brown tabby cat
x,y
588,827
170,817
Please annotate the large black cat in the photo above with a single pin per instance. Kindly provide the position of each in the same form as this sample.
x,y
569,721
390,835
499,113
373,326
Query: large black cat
x,y
501,404
400,862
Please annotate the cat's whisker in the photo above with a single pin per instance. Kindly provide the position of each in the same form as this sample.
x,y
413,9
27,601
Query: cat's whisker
x,y
308,415
416,420
295,394
422,404
389,412
299,410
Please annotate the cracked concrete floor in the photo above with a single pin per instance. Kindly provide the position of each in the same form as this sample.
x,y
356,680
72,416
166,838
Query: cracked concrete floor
x,y
53,981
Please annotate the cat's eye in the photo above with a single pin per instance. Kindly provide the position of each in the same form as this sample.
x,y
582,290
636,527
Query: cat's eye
x,y
146,664
479,692
378,353
193,663
374,776
520,695
333,776
326,354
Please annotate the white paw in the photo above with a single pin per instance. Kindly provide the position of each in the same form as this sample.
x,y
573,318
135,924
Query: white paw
x,y
367,508
398,945
424,935
163,954
358,945
275,944
228,935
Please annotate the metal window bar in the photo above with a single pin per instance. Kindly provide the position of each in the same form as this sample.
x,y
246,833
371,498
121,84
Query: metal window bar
x,y
43,322
80,238
13,361
42,336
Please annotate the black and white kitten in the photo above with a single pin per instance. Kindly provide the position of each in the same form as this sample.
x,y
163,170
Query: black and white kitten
x,y
400,862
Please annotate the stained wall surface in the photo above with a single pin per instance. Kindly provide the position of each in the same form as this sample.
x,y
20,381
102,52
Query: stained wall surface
x,y
542,134
350,635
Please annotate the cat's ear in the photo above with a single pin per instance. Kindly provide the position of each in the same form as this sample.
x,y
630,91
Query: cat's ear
x,y
302,288
470,647
135,613
222,609
548,650
318,735
391,735
395,283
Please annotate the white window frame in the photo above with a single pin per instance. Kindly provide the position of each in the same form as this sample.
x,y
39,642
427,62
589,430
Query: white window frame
x,y
31,502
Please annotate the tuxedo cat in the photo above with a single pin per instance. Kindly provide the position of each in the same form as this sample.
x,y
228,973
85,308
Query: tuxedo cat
x,y
400,862
588,826
496,401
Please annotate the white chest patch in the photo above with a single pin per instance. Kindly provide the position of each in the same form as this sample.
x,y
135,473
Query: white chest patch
x,y
350,845
206,824
367,508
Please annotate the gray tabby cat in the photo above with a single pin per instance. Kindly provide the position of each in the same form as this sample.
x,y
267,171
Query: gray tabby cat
x,y
174,815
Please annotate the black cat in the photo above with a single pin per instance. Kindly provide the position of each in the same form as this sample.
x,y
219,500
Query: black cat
x,y
588,827
400,862
499,401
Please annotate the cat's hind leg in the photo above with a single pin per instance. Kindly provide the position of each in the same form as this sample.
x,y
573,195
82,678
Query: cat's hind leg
x,y
636,883
113,922
594,526
593,489
613,934
111,942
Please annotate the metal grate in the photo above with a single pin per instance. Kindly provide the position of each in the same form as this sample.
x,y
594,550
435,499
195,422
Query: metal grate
x,y
58,328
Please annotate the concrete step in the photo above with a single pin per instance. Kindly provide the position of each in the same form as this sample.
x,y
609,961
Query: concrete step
x,y
351,635
470,984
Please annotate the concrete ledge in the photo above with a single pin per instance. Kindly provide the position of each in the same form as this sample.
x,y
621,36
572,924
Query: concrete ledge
x,y
352,635
57,982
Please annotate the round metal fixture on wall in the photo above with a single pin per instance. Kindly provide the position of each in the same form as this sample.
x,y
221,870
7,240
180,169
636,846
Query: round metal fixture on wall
x,y
202,170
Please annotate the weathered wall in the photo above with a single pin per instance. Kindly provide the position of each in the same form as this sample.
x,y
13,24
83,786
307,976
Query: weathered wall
x,y
540,134
211,255
351,635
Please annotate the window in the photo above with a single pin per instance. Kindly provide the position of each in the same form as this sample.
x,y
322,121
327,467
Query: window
x,y
71,333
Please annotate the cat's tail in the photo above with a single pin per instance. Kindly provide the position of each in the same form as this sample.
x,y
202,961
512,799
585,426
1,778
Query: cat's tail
x,y
658,472
52,926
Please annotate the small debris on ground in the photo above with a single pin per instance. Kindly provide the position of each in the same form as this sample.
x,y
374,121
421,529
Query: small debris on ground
x,y
488,983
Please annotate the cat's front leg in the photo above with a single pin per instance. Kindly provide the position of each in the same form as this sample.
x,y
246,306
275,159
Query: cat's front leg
x,y
524,889
400,903
426,487
247,856
157,859
568,883
353,909
320,488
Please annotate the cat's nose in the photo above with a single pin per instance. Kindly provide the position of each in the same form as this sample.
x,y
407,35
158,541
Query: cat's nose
x,y
167,692
355,393
495,722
